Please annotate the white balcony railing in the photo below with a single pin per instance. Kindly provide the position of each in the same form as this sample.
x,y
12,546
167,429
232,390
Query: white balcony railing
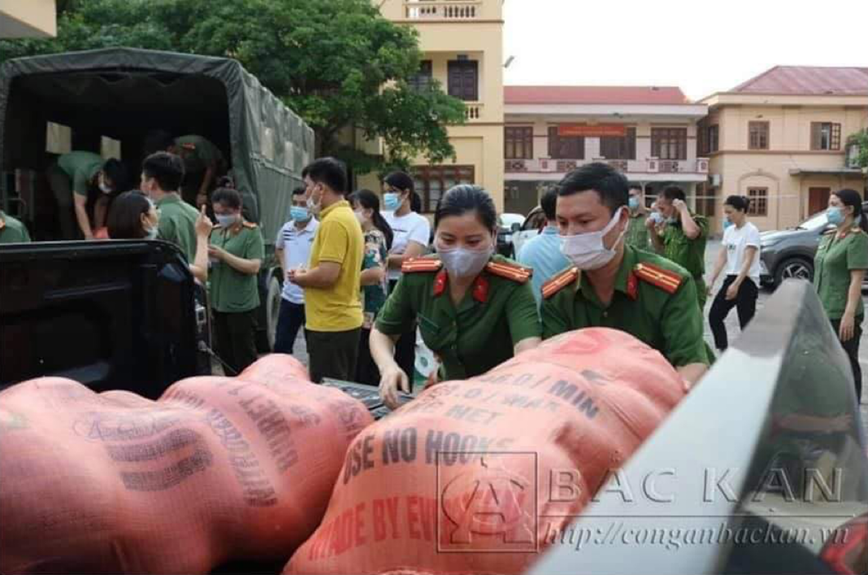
x,y
649,166
442,10
473,111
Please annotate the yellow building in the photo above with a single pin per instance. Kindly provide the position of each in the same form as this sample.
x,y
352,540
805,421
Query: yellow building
x,y
28,18
462,45
781,138
646,132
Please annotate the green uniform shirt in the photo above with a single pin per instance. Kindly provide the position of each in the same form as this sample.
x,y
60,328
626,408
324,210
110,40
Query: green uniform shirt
x,y
197,152
637,233
12,231
81,167
832,265
178,224
230,290
473,337
689,254
669,322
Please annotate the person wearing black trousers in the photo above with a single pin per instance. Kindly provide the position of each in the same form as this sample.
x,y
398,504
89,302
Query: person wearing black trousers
x,y
739,257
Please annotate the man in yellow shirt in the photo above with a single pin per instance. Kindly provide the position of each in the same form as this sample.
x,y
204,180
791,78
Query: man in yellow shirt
x,y
333,308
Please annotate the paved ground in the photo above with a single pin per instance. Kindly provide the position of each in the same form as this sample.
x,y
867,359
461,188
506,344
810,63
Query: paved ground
x,y
733,330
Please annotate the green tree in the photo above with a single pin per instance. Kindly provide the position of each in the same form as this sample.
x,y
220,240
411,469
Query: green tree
x,y
338,63
861,139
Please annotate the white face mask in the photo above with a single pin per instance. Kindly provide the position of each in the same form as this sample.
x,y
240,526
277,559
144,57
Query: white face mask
x,y
314,207
104,188
461,262
151,234
360,215
587,251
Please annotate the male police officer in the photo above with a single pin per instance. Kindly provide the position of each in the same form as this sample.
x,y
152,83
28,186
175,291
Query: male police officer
x,y
12,231
614,285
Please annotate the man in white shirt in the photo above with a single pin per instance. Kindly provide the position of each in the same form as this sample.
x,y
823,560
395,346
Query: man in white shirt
x,y
292,249
412,234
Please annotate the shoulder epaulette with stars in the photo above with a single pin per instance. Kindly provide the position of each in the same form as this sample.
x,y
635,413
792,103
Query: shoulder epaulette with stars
x,y
559,282
250,225
188,146
418,265
510,271
667,280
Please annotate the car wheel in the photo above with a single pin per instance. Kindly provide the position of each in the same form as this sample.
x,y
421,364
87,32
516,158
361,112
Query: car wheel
x,y
794,268
272,309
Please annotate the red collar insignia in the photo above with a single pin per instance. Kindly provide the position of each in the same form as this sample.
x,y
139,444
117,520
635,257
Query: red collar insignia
x,y
480,289
632,286
440,282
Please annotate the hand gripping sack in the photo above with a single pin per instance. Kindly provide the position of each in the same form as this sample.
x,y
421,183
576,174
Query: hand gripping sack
x,y
478,476
217,469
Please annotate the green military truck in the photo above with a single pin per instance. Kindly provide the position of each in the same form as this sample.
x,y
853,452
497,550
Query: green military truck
x,y
106,101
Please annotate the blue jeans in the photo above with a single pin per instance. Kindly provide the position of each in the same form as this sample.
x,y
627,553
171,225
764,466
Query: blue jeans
x,y
290,320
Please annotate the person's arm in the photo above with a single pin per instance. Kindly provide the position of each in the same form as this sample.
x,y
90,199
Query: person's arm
x,y
857,263
373,276
681,324
417,242
206,180
199,267
523,319
279,254
749,254
553,321
81,215
254,252
335,240
654,233
396,315
719,264
688,224
323,276
100,211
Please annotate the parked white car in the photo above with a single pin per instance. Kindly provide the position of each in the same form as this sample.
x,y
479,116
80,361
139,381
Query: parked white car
x,y
532,225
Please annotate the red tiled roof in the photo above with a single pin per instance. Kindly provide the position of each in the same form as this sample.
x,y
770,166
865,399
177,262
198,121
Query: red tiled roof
x,y
664,95
807,80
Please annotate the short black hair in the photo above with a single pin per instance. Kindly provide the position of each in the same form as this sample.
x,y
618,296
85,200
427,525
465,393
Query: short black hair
x,y
229,197
167,169
401,181
740,203
328,171
610,184
549,203
673,193
116,171
125,216
636,187
464,198
415,202
299,191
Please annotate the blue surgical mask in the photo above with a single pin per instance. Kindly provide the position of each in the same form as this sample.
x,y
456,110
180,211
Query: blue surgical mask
x,y
835,216
634,203
656,217
226,221
726,223
299,214
391,201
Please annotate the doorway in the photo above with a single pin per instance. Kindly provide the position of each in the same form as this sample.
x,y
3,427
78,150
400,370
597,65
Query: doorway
x,y
818,199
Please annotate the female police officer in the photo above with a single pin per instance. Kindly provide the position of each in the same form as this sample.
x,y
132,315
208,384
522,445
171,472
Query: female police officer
x,y
475,310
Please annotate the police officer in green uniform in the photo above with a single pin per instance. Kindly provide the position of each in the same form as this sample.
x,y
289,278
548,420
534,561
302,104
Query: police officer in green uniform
x,y
202,164
615,285
637,230
682,238
237,251
162,174
475,310
12,231
839,268
77,177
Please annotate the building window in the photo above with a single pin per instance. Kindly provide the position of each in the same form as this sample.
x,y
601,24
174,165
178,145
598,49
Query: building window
x,y
705,200
669,143
518,143
565,148
463,76
421,80
713,138
623,148
758,138
759,198
434,181
825,136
